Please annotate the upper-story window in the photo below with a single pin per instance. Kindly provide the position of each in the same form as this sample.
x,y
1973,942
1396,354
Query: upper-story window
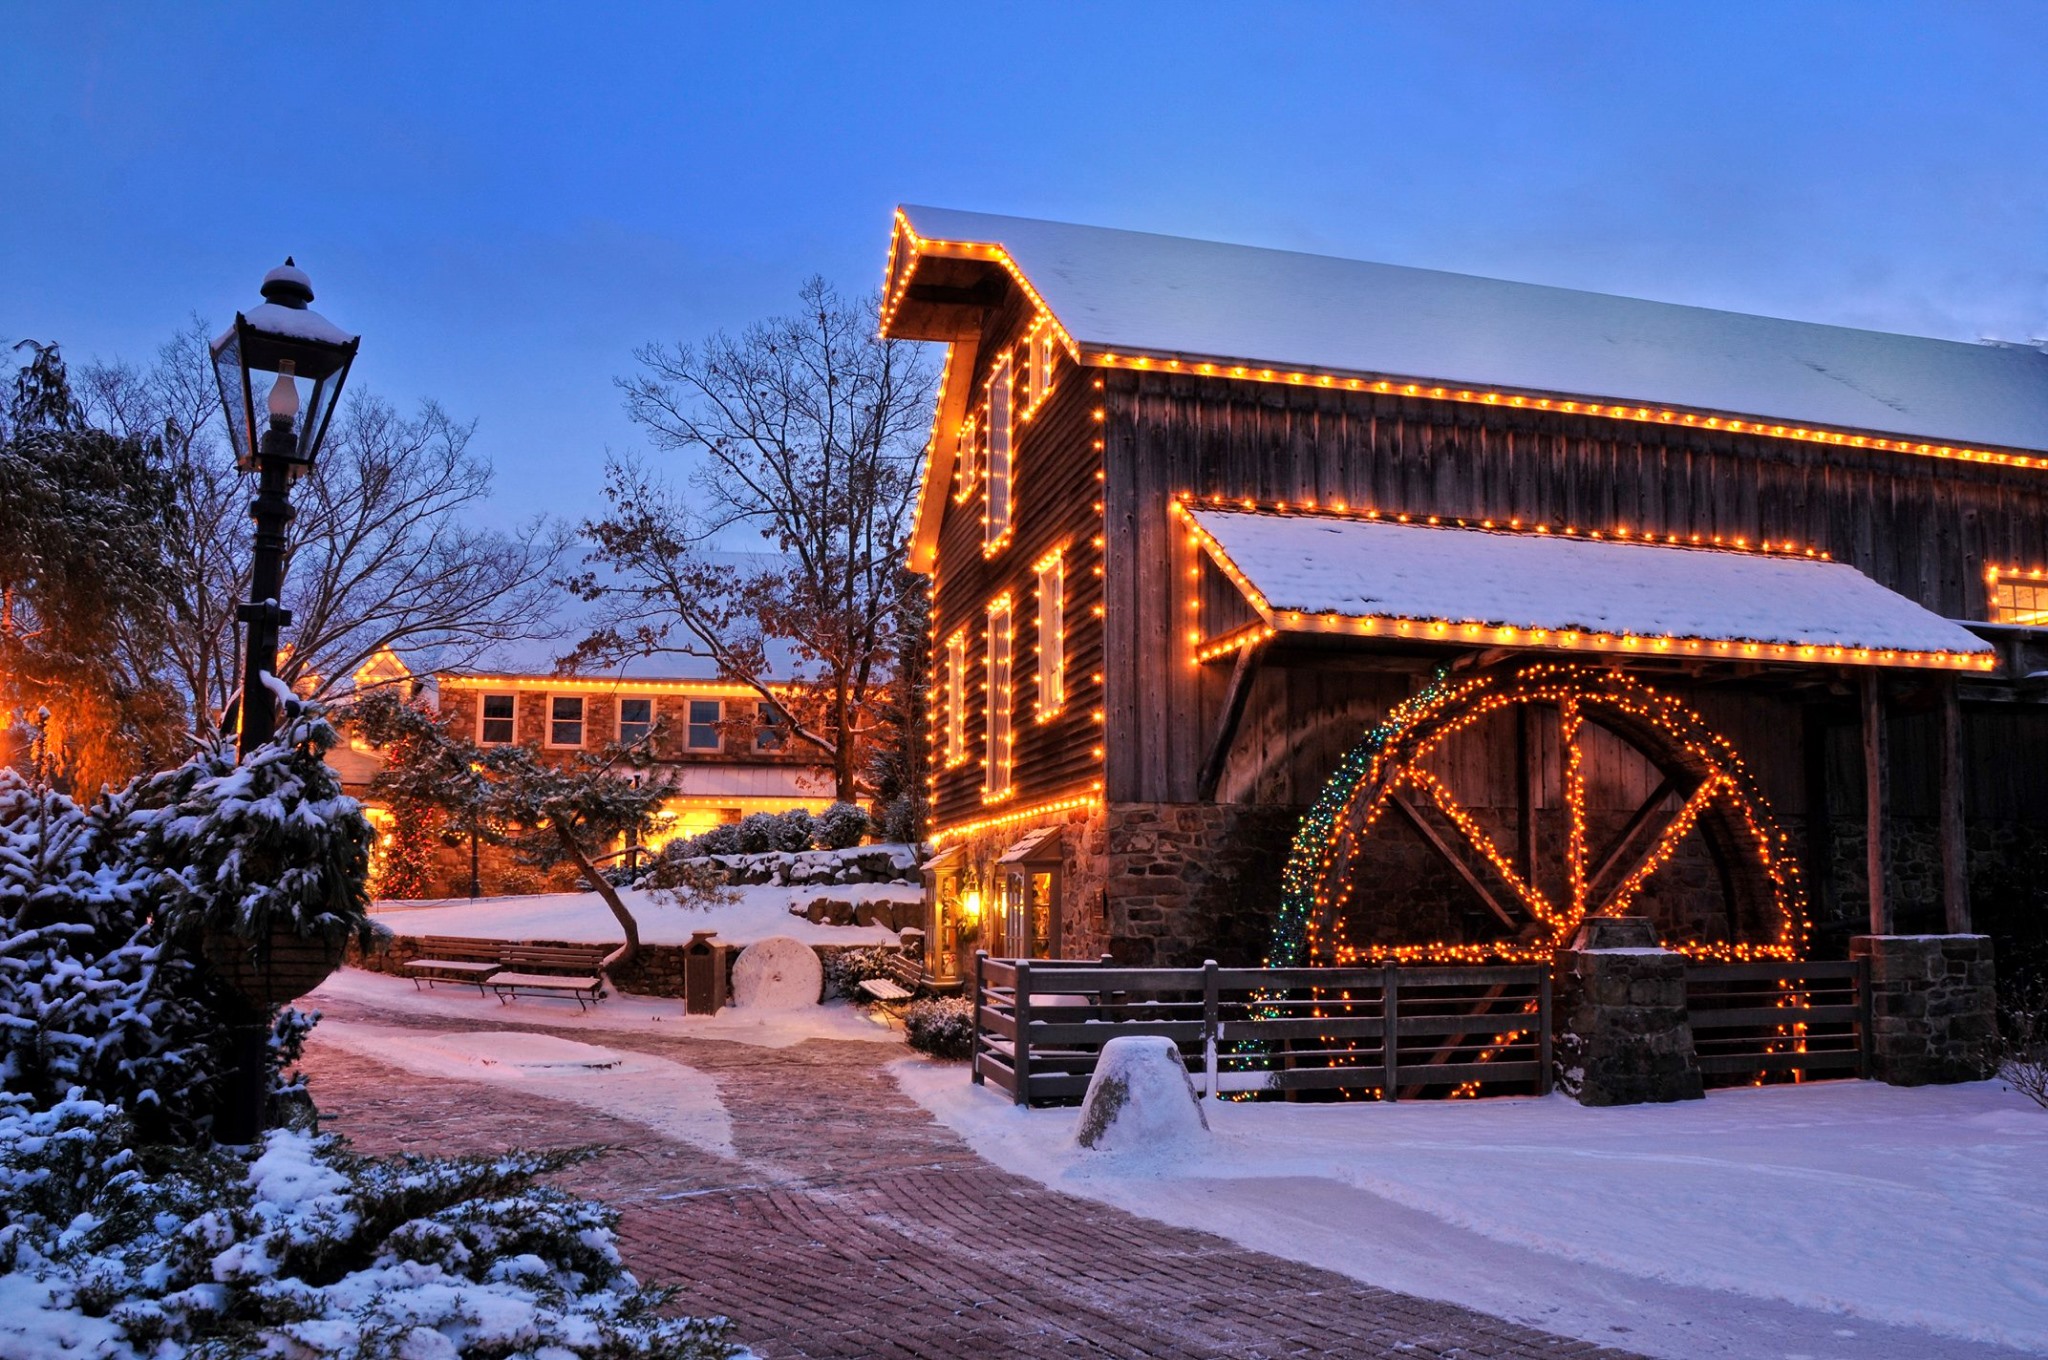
x,y
496,724
955,710
636,720
1038,380
2017,596
771,731
565,720
967,466
1052,635
996,523
996,758
703,734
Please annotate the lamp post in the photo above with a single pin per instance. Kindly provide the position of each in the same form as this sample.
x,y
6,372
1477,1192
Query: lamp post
x,y
286,342
476,812
283,342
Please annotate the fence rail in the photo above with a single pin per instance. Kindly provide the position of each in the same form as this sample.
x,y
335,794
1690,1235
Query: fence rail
x,y
1755,1021
1383,1031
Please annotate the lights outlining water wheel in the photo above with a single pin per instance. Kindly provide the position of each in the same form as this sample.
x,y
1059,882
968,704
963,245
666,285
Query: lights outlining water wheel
x,y
1700,799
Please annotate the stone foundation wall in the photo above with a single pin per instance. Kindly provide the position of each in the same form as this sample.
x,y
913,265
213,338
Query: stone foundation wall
x,y
1933,1006
1192,881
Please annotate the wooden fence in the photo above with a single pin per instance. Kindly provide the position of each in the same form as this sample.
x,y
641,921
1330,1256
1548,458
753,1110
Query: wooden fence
x,y
1756,1021
1380,1031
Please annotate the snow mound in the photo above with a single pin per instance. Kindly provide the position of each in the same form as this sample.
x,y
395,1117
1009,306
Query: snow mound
x,y
777,974
1140,1098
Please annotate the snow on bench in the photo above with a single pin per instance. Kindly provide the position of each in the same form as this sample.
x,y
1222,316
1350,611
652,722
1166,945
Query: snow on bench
x,y
906,979
453,958
580,971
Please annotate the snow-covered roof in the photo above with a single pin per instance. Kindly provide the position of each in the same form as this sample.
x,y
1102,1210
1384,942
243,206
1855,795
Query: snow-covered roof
x,y
1324,573
1135,292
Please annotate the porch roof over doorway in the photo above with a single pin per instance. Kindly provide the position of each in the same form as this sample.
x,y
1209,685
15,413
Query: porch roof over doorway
x,y
1501,586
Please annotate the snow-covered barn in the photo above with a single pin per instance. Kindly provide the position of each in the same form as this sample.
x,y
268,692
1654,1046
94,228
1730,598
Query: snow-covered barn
x,y
1491,604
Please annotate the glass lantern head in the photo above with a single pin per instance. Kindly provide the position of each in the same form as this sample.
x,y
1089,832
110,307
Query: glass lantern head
x,y
280,369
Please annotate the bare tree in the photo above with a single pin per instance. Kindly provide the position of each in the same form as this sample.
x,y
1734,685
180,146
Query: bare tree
x,y
805,430
381,552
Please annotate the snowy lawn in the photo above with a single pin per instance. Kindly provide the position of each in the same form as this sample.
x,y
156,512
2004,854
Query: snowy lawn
x,y
761,910
1844,1219
355,987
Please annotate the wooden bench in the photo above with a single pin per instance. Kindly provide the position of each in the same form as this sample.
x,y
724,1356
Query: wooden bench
x,y
453,958
906,978
552,970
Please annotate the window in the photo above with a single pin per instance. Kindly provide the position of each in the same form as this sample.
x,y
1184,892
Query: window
x,y
996,523
1038,380
967,467
956,699
2018,597
565,720
1052,635
636,720
771,733
495,723
996,756
705,715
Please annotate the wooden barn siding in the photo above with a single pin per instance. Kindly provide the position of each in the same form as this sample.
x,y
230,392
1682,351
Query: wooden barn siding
x,y
1054,491
1922,526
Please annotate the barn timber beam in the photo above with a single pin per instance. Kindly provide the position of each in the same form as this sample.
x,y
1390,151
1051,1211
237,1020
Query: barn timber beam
x,y
1242,675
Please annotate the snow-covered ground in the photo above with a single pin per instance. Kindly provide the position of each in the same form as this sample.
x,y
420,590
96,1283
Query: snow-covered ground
x,y
758,912
1838,1221
355,989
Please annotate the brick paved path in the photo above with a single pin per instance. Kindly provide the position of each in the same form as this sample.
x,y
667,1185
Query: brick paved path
x,y
853,1225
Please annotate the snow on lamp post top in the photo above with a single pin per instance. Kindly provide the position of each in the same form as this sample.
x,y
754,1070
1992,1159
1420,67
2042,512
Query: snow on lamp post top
x,y
282,340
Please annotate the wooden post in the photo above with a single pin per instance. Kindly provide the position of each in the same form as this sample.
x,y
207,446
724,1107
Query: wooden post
x,y
1866,1041
1022,1067
1955,872
1390,1048
1877,856
1528,773
1211,1006
980,955
1543,1054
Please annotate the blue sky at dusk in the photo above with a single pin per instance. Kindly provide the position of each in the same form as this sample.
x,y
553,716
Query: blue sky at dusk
x,y
507,199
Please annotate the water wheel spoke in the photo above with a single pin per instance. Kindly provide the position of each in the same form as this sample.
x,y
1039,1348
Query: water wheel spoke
x,y
1647,821
1661,850
1534,907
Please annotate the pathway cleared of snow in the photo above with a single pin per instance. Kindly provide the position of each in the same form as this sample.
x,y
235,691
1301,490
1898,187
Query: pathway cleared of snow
x,y
1845,1219
673,1100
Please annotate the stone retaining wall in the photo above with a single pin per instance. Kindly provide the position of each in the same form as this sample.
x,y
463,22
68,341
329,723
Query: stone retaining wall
x,y
656,971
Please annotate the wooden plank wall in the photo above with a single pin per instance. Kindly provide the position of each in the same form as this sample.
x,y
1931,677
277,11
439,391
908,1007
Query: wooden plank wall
x,y
1055,492
1924,527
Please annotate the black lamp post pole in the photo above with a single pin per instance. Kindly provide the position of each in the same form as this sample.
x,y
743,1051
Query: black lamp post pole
x,y
272,511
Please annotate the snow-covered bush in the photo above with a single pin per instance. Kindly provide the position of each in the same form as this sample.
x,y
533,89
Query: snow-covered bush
x,y
942,1026
268,844
839,827
846,969
760,832
723,839
308,1252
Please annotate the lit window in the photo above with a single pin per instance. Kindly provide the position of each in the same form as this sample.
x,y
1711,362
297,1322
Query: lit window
x,y
771,733
1052,635
2019,601
967,467
996,756
1038,381
636,720
565,720
495,724
996,528
956,698
705,715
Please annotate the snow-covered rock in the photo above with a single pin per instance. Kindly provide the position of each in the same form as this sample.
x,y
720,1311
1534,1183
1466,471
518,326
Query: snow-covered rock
x,y
1140,1098
777,973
